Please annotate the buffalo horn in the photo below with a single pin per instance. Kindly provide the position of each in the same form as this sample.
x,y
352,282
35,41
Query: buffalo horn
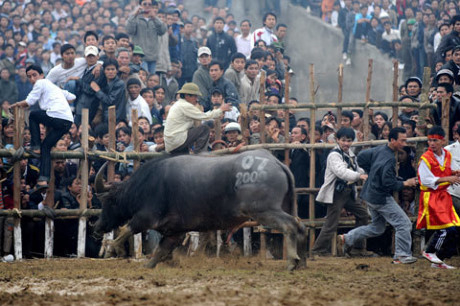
x,y
99,181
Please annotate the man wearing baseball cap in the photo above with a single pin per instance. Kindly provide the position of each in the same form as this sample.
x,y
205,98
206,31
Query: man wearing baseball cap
x,y
202,78
86,96
180,134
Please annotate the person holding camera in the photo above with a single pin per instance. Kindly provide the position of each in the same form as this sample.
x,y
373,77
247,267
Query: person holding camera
x,y
339,192
144,28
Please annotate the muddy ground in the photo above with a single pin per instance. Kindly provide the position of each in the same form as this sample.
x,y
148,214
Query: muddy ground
x,y
226,281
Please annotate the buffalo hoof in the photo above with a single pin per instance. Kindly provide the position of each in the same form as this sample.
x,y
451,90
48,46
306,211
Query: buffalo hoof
x,y
151,264
293,264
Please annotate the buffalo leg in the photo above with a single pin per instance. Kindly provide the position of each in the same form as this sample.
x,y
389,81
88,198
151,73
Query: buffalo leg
x,y
287,224
118,245
164,249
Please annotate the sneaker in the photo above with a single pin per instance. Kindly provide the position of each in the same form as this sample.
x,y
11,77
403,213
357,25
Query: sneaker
x,y
432,257
348,62
342,248
442,265
404,260
344,56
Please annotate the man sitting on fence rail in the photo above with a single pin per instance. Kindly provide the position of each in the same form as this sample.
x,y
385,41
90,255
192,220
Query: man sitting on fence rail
x,y
54,113
339,191
380,164
179,134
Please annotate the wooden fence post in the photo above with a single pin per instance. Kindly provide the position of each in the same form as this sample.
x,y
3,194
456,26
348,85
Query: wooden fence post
x,y
366,116
137,148
262,102
339,97
17,142
84,184
311,197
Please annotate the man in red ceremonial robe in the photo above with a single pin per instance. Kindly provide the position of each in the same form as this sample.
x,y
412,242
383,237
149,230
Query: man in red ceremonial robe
x,y
436,210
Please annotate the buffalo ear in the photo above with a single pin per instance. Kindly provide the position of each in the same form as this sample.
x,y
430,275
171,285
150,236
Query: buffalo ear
x,y
99,181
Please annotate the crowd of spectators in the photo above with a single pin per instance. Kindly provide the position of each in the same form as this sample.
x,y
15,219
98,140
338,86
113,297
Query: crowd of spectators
x,y
417,33
137,55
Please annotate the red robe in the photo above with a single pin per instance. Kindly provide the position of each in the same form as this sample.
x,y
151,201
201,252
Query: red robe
x,y
436,210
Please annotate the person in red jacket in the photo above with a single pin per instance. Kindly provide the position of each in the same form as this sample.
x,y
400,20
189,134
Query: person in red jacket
x,y
436,211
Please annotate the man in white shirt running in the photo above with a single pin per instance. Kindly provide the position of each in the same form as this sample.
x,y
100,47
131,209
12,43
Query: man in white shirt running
x,y
54,113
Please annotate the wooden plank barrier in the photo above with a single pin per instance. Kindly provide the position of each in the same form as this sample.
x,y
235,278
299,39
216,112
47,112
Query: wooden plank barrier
x,y
86,155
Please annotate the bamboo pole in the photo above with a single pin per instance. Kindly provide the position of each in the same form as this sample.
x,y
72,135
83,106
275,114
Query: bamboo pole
x,y
311,201
445,118
353,104
395,92
49,223
339,98
287,79
112,142
137,145
420,149
366,116
17,142
262,102
84,184
263,237
244,122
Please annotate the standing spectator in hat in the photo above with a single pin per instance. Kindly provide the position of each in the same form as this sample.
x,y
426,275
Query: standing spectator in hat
x,y
86,95
145,27
220,43
189,51
202,78
413,87
54,112
180,133
136,59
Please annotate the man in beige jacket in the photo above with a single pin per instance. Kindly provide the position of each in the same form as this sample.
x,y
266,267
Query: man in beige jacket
x,y
180,134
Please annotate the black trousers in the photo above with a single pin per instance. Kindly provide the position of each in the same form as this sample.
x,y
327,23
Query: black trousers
x,y
56,128
341,200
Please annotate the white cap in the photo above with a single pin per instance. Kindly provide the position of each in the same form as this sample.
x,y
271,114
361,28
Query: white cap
x,y
204,50
91,50
232,126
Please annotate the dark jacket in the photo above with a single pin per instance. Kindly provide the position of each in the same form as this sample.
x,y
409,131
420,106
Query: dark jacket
x,y
86,96
380,164
113,93
454,113
450,40
8,91
229,91
222,47
189,54
24,88
300,167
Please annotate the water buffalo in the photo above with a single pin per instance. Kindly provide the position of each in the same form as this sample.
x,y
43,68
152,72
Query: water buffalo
x,y
175,195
